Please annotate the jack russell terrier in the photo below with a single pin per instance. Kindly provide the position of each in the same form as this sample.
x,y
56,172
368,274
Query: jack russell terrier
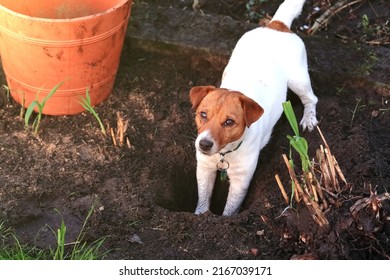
x,y
236,120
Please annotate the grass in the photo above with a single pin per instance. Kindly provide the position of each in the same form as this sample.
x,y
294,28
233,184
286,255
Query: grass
x,y
354,111
40,106
86,103
12,249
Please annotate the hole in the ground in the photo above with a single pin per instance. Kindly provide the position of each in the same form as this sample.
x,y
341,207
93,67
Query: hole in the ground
x,y
182,193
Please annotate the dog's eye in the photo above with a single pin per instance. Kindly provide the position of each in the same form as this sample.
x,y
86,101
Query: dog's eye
x,y
229,122
203,115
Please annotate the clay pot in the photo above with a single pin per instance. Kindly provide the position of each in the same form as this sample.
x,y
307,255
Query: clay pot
x,y
78,42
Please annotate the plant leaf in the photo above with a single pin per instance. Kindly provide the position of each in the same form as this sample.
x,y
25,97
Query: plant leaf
x,y
29,112
290,115
54,89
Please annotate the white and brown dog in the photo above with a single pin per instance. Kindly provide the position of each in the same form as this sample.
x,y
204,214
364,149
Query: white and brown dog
x,y
236,120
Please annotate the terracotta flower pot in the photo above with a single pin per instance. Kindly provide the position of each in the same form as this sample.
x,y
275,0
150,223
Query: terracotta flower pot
x,y
45,42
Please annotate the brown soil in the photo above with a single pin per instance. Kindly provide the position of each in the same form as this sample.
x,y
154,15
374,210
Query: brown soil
x,y
149,190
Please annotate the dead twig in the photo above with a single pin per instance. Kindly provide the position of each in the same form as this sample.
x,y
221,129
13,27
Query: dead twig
x,y
324,19
283,191
119,138
122,127
113,136
331,167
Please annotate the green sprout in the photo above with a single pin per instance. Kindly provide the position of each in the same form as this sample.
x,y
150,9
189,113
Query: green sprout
x,y
40,106
297,142
7,91
365,22
86,103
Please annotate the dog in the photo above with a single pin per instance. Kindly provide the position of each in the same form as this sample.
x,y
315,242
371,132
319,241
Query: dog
x,y
235,121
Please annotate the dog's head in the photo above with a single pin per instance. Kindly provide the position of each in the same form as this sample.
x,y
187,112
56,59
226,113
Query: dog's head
x,y
221,117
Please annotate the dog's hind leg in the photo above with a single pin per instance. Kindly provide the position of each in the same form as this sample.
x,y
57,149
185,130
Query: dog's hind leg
x,y
309,100
299,83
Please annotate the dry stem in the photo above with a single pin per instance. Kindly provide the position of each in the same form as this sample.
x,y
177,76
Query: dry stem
x,y
324,19
283,191
119,137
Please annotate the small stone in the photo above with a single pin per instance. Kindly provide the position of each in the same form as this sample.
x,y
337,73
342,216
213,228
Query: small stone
x,y
255,251
135,239
375,113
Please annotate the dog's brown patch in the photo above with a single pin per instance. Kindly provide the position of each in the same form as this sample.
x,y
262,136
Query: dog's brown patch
x,y
198,93
279,26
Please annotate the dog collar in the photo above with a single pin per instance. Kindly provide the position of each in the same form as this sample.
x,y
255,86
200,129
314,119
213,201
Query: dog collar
x,y
223,165
230,151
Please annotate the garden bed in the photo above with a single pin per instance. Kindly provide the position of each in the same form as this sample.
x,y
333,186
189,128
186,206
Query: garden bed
x,y
144,193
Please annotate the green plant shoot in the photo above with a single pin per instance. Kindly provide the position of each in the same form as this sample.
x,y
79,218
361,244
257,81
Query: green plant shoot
x,y
7,91
297,142
365,22
60,250
40,106
86,103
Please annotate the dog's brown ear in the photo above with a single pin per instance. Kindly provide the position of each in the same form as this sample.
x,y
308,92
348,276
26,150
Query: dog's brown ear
x,y
252,110
198,93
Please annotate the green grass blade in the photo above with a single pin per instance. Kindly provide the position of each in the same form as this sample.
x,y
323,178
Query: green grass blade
x,y
86,106
7,91
60,250
54,89
86,103
87,96
80,237
29,111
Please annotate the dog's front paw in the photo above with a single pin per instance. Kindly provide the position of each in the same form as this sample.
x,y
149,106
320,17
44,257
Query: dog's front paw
x,y
200,210
229,212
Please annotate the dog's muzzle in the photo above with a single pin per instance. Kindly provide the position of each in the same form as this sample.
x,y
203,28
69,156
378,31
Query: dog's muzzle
x,y
206,144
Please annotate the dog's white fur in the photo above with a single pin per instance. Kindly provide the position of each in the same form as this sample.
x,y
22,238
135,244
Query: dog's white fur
x,y
263,64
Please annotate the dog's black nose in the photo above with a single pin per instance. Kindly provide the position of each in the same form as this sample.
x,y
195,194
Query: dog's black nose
x,y
205,144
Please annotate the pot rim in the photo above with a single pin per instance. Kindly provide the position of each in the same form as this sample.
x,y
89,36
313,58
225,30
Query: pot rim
x,y
59,20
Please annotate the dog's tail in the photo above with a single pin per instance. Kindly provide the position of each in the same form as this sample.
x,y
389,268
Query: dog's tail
x,y
288,11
